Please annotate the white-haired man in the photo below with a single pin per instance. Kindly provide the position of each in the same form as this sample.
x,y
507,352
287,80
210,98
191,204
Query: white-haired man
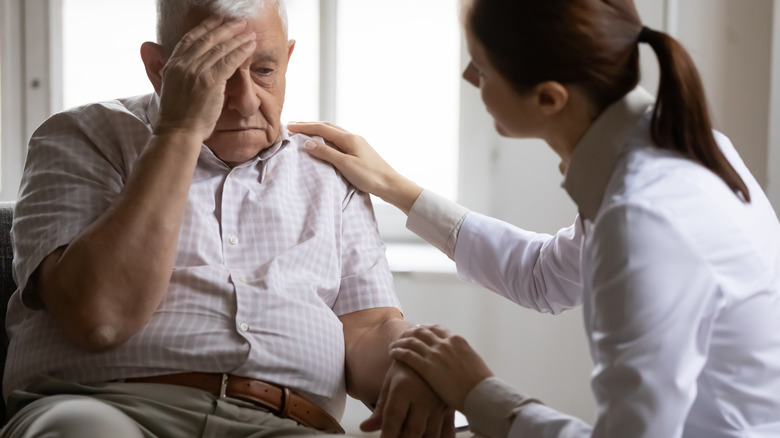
x,y
185,269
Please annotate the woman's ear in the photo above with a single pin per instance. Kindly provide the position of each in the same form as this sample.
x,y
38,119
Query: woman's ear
x,y
552,97
154,61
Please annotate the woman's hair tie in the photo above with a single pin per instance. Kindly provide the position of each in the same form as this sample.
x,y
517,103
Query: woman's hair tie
x,y
643,35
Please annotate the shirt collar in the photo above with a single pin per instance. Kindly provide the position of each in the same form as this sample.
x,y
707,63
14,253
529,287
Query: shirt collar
x,y
152,114
152,111
596,154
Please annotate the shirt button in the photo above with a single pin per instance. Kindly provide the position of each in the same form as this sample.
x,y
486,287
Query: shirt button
x,y
233,240
244,326
242,279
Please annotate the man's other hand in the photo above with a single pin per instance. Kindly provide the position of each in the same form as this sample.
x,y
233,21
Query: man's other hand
x,y
192,91
408,408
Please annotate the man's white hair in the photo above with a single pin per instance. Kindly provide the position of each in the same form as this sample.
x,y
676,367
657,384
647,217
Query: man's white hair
x,y
170,15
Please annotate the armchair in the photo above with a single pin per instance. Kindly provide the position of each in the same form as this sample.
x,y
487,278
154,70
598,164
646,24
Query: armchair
x,y
7,284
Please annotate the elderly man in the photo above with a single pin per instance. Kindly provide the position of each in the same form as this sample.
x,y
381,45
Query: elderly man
x,y
185,269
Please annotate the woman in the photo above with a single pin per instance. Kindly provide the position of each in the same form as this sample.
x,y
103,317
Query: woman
x,y
674,257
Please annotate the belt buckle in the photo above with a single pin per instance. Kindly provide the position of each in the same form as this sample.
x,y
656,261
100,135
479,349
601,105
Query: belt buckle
x,y
223,386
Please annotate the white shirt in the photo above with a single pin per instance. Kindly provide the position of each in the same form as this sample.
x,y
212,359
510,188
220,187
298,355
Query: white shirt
x,y
678,278
270,253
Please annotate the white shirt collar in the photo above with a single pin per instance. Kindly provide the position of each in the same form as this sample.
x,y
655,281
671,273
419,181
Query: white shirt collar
x,y
594,157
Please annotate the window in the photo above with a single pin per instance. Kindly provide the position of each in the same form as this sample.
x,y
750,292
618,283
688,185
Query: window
x,y
107,67
386,70
397,84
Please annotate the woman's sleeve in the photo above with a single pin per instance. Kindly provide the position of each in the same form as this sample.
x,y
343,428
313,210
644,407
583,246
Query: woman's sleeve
x,y
437,220
497,410
538,271
651,313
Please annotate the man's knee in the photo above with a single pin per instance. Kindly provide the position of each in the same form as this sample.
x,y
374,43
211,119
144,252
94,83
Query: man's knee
x,y
82,417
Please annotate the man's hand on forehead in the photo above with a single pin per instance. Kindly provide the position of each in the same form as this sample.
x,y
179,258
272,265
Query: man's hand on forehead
x,y
194,77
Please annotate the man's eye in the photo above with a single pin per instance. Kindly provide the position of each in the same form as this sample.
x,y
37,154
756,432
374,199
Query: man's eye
x,y
262,71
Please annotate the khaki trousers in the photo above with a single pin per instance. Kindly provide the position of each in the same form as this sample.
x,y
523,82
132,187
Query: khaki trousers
x,y
57,408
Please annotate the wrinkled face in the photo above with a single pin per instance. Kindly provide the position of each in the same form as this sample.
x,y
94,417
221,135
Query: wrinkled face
x,y
254,95
514,113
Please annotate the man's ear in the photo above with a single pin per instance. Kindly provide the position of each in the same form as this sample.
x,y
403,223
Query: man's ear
x,y
290,48
154,60
552,97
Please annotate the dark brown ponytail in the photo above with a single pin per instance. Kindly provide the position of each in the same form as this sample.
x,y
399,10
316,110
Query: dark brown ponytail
x,y
681,120
593,44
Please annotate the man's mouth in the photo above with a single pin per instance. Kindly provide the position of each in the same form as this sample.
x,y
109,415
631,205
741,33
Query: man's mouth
x,y
239,129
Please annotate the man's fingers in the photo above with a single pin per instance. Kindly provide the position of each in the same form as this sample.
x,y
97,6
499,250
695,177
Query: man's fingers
x,y
215,54
448,426
196,45
197,32
393,415
437,424
416,424
374,422
225,59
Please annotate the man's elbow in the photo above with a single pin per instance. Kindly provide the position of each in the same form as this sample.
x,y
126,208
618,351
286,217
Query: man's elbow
x,y
101,338
91,318
97,334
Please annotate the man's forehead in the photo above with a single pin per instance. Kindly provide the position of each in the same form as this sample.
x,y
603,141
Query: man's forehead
x,y
265,21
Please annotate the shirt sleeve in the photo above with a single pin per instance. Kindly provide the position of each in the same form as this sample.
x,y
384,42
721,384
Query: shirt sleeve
x,y
437,220
366,278
73,172
496,410
537,271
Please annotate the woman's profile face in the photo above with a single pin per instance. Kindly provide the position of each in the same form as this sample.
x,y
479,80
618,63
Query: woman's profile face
x,y
514,114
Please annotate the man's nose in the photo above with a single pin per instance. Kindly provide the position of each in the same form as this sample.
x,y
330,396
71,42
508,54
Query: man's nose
x,y
241,94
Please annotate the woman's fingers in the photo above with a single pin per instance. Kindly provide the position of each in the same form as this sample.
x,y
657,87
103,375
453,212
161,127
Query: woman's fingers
x,y
416,359
341,138
448,364
360,164
302,127
429,334
439,331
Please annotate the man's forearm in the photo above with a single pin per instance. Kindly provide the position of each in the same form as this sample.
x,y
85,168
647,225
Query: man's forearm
x,y
106,284
367,355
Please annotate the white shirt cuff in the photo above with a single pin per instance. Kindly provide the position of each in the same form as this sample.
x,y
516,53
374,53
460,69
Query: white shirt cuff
x,y
437,220
491,407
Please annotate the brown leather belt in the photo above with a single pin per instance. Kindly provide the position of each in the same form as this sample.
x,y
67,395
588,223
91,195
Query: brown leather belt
x,y
277,399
